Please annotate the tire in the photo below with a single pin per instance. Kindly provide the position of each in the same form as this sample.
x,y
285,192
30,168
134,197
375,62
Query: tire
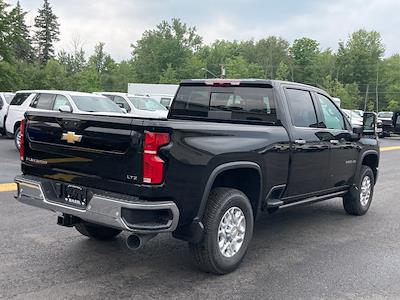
x,y
357,203
17,138
207,254
96,231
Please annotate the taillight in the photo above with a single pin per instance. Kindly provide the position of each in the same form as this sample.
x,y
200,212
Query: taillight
x,y
153,166
22,142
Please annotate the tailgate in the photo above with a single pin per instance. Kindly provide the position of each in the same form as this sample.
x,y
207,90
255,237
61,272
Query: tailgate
x,y
68,146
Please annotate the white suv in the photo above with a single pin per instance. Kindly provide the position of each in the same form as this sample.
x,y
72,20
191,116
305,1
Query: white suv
x,y
64,101
138,106
5,99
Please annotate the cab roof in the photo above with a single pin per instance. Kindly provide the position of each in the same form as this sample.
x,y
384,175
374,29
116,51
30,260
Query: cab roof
x,y
247,81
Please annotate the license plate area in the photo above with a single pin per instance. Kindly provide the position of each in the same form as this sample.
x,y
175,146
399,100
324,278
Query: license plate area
x,y
72,195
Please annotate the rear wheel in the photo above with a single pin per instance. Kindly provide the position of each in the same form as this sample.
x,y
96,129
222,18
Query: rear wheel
x,y
358,202
96,231
228,229
17,138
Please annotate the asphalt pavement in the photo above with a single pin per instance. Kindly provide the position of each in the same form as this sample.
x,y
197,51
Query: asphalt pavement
x,y
308,252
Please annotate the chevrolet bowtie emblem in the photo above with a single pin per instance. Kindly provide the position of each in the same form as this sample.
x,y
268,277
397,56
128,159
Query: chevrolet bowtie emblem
x,y
71,137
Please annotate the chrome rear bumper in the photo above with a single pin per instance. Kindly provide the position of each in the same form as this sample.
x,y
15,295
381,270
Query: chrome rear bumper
x,y
102,210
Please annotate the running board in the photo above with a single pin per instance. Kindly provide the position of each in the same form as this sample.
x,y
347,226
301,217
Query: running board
x,y
314,199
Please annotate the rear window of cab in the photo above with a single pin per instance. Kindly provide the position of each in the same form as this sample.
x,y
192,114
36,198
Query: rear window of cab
x,y
236,103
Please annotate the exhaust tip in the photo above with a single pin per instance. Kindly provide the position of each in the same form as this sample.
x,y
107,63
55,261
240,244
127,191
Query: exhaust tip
x,y
136,241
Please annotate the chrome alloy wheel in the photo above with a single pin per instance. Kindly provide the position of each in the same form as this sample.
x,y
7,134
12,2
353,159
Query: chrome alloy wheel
x,y
231,231
365,192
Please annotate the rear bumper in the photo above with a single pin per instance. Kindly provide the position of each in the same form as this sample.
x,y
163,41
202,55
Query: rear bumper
x,y
111,210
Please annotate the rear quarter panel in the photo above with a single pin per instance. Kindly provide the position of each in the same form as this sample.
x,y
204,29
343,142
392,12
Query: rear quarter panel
x,y
197,148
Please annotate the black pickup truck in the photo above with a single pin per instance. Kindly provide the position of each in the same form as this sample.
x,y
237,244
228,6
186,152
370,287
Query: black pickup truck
x,y
229,150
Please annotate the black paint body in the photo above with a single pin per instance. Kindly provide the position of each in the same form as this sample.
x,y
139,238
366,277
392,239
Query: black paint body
x,y
109,156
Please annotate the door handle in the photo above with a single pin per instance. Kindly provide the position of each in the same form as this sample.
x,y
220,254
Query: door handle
x,y
300,142
334,142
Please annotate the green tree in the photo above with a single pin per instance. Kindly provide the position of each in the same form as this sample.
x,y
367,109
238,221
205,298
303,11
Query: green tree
x,y
55,76
46,34
304,53
389,85
123,73
324,65
193,67
169,75
270,52
73,63
8,76
347,93
5,36
169,43
393,105
217,54
99,58
21,42
283,71
87,80
237,67
359,57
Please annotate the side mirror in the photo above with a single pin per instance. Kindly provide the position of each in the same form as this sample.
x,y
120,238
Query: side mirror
x,y
356,134
65,109
369,123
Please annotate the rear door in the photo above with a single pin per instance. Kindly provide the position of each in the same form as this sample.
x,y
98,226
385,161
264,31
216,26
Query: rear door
x,y
310,151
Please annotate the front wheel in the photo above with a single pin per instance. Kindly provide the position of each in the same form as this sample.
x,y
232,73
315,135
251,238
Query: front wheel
x,y
358,202
96,231
228,228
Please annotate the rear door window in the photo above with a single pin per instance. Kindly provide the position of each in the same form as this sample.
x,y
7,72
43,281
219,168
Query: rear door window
x,y
43,101
121,102
301,107
19,98
237,103
60,101
165,101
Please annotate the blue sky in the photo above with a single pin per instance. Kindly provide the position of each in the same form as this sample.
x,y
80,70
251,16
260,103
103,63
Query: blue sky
x,y
120,23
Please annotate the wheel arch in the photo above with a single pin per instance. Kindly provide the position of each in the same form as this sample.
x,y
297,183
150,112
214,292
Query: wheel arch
x,y
371,159
16,126
229,169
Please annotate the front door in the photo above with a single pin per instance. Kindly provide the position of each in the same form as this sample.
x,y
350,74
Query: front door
x,y
344,150
310,150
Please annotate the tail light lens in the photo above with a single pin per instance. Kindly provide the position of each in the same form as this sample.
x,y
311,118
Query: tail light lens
x,y
22,140
153,166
